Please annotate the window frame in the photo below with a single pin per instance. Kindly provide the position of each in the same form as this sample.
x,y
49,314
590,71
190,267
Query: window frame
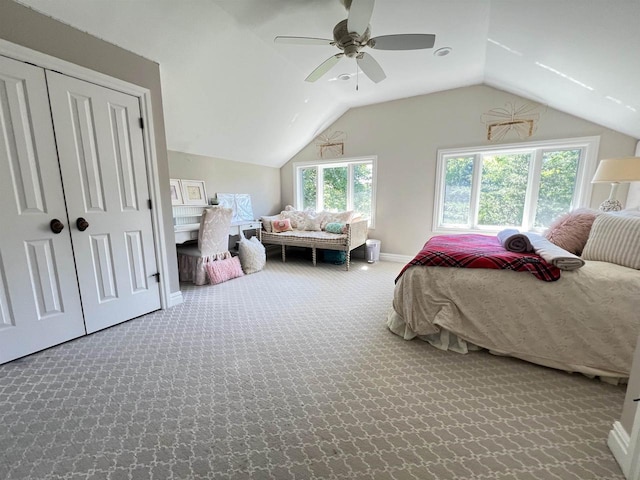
x,y
333,163
583,187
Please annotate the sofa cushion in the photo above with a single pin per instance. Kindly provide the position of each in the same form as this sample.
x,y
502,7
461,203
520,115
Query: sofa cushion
x,y
266,221
337,217
296,217
313,221
281,225
335,227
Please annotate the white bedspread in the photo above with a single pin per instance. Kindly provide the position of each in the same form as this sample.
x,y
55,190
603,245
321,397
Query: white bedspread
x,y
587,321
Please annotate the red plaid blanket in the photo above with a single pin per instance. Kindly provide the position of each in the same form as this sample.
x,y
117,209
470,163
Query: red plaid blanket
x,y
479,251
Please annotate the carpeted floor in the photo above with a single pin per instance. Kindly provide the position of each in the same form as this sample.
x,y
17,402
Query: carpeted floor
x,y
290,373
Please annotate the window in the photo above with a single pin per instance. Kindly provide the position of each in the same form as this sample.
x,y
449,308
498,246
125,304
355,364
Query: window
x,y
337,185
524,186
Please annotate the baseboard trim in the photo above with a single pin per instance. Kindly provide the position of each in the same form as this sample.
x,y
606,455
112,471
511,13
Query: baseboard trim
x,y
175,298
618,443
392,257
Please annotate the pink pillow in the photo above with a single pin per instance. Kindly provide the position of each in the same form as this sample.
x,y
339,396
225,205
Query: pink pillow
x,y
279,226
571,230
222,270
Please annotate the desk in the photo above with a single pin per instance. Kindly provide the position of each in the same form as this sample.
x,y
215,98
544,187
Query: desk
x,y
184,233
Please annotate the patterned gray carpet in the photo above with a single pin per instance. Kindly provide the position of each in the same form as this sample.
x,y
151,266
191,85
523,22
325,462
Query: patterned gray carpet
x,y
290,373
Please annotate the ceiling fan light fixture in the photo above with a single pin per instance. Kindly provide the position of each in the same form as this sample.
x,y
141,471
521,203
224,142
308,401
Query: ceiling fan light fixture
x,y
344,76
442,52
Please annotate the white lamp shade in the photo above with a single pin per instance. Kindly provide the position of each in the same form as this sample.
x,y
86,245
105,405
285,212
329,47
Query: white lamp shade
x,y
614,170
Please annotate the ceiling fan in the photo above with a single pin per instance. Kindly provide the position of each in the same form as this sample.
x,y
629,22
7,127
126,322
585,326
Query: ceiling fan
x,y
353,34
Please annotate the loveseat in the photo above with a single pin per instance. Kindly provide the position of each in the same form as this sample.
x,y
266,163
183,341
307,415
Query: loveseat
x,y
309,229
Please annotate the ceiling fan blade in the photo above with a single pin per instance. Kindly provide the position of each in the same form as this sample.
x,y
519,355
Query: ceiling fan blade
x,y
370,67
360,15
302,40
409,41
323,68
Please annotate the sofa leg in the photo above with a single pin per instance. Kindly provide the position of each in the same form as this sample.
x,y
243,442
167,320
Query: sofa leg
x,y
348,259
313,255
284,255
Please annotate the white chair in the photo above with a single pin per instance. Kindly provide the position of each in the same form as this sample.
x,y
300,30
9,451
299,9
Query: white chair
x,y
213,244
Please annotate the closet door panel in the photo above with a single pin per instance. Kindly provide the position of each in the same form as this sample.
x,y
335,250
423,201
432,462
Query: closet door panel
x,y
102,160
39,299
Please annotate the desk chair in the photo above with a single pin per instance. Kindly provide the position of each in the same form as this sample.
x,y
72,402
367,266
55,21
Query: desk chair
x,y
213,244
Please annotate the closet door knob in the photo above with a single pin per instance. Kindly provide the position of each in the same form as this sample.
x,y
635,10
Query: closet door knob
x,y
82,224
56,226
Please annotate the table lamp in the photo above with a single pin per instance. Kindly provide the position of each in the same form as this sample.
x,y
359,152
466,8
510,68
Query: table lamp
x,y
616,171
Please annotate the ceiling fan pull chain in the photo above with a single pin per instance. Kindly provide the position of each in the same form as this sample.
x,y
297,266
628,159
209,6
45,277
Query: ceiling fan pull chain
x,y
357,77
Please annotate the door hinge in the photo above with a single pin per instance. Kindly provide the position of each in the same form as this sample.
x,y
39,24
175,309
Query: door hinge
x,y
157,276
149,204
141,122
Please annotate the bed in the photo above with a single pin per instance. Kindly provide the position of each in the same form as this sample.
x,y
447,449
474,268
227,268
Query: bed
x,y
587,321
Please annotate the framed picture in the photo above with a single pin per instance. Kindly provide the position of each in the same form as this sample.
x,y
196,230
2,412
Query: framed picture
x,y
193,192
176,192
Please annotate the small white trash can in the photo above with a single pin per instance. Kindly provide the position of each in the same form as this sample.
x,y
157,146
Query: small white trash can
x,y
373,250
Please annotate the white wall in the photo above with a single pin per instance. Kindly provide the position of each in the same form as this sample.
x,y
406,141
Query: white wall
x,y
406,135
225,176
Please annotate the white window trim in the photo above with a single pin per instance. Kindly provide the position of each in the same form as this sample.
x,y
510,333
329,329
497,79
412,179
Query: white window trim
x,y
585,172
297,191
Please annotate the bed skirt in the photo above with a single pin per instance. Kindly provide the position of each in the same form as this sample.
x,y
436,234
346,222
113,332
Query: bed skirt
x,y
449,341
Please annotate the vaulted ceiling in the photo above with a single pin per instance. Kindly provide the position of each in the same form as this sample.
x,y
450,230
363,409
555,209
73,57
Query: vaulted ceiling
x,y
230,92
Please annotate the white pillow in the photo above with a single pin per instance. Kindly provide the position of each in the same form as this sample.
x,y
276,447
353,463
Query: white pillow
x,y
252,255
296,217
614,239
313,222
337,217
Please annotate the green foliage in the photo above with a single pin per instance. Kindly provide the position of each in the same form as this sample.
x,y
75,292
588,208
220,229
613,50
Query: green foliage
x,y
557,184
503,189
335,188
309,191
457,193
363,188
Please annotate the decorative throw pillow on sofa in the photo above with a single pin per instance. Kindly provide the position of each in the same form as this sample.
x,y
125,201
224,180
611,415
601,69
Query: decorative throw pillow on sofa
x,y
571,230
336,217
252,255
222,270
266,221
335,227
614,239
313,222
296,217
281,225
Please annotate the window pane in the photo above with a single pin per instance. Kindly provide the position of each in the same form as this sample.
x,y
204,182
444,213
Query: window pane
x,y
362,188
309,188
503,189
335,188
557,185
457,191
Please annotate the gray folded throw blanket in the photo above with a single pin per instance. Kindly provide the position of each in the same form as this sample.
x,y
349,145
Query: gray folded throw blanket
x,y
522,242
514,241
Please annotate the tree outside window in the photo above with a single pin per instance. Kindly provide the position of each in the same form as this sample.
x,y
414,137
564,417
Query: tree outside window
x,y
337,186
525,188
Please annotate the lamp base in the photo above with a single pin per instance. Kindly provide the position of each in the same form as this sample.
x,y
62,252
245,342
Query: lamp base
x,y
610,206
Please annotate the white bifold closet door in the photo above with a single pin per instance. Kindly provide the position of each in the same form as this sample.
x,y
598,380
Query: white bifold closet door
x,y
39,298
104,175
73,154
